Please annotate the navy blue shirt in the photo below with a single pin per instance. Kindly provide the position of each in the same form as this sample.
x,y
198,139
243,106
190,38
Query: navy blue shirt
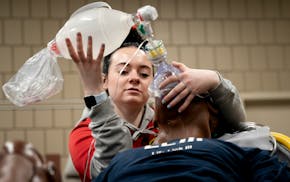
x,y
194,159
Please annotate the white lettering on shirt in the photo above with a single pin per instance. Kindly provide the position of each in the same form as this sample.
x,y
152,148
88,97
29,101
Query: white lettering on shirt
x,y
173,146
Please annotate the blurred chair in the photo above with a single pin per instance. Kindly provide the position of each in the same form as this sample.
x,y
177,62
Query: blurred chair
x,y
20,161
282,146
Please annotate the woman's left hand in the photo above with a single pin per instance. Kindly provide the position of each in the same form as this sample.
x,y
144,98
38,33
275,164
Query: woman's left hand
x,y
192,82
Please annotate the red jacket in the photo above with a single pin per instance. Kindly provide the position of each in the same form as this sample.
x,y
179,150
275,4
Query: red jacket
x,y
82,149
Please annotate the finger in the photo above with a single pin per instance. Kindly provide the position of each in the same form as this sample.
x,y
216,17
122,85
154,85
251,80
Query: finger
x,y
174,92
90,49
178,98
71,50
101,53
80,47
186,103
168,80
179,66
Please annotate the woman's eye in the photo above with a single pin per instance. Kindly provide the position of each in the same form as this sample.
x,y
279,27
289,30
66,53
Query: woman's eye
x,y
123,72
144,75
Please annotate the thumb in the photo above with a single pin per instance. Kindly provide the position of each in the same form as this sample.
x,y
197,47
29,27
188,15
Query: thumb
x,y
179,66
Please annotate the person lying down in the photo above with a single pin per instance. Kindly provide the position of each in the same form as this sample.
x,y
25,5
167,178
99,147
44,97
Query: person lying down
x,y
21,162
185,151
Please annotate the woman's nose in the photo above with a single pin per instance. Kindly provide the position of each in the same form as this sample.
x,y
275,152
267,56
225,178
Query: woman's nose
x,y
134,77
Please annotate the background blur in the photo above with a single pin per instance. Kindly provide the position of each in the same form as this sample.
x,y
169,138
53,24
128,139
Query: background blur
x,y
247,41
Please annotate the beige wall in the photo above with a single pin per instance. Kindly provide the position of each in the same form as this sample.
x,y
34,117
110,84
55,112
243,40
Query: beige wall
x,y
248,41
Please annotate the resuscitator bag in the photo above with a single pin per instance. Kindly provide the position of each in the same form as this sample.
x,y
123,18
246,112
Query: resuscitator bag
x,y
40,76
104,24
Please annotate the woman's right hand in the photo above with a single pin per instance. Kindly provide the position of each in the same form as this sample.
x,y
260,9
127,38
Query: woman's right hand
x,y
90,69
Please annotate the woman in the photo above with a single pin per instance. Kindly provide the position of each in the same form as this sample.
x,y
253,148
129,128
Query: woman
x,y
124,119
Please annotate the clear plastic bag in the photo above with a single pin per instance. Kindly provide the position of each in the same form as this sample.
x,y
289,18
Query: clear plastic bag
x,y
39,78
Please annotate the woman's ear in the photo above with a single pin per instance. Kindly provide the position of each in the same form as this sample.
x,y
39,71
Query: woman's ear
x,y
105,81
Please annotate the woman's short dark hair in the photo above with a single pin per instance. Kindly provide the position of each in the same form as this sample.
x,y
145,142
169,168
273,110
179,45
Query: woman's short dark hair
x,y
133,39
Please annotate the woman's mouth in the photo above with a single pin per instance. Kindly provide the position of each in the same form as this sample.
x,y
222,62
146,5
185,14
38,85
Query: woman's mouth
x,y
133,90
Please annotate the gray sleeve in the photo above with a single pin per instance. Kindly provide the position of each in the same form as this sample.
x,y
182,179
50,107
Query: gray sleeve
x,y
85,114
110,134
227,100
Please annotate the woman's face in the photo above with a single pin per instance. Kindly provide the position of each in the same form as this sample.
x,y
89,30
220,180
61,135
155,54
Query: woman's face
x,y
129,85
